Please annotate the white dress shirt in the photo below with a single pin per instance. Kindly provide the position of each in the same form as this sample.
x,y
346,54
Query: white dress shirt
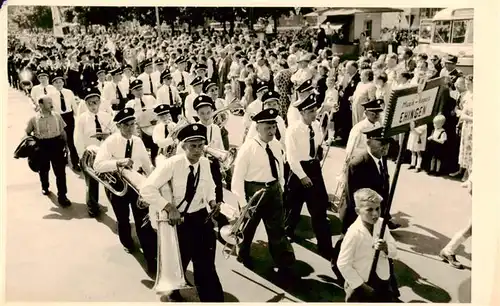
x,y
357,139
69,100
144,115
100,86
252,132
155,77
163,97
104,107
113,148
178,76
125,83
159,137
110,93
293,115
297,144
38,91
356,254
176,171
85,127
189,110
252,109
252,165
146,88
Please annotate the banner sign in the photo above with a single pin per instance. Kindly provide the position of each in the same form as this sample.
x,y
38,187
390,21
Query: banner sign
x,y
416,103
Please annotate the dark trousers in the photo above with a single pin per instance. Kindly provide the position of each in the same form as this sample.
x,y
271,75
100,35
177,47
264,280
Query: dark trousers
x,y
52,152
270,210
197,243
225,138
316,198
343,120
219,192
145,233
382,293
175,111
149,144
70,129
92,192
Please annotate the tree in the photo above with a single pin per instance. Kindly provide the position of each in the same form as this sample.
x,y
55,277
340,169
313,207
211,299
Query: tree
x,y
273,12
31,16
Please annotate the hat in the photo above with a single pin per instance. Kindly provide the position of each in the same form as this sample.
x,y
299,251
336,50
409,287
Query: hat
x,y
58,74
376,133
162,109
268,115
124,115
102,68
305,58
261,85
306,103
207,84
196,81
165,74
116,71
147,62
305,86
200,67
451,59
159,61
135,84
203,100
91,92
127,66
435,57
180,59
374,105
270,96
42,72
192,132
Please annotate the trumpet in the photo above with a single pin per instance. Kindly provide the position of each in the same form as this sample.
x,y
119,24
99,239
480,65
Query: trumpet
x,y
25,78
232,234
112,181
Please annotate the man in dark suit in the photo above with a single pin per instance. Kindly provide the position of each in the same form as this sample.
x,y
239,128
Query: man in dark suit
x,y
366,170
343,117
224,65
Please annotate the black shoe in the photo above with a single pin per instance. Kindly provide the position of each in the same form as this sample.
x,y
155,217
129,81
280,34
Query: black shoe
x,y
176,296
45,191
246,261
451,259
392,226
77,168
411,167
94,211
418,170
64,201
131,249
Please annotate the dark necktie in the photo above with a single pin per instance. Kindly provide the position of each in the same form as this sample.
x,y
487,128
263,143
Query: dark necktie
x,y
190,186
312,147
142,103
118,93
170,96
128,149
166,130
45,90
272,162
278,134
63,103
151,84
98,128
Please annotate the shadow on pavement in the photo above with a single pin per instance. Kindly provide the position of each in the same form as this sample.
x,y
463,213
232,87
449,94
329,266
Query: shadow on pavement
x,y
75,211
407,277
307,290
464,291
402,219
426,244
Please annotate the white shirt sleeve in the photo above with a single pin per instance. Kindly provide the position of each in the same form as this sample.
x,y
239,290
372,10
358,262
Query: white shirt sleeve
x,y
292,147
345,261
79,137
104,161
159,136
147,166
150,190
239,172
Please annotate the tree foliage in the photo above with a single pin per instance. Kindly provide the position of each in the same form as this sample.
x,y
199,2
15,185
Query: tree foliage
x,y
26,17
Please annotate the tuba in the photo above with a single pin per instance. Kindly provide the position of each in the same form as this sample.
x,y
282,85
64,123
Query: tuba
x,y
225,158
221,116
25,79
112,181
232,234
170,274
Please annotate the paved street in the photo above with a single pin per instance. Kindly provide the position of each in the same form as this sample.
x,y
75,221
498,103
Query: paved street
x,y
60,254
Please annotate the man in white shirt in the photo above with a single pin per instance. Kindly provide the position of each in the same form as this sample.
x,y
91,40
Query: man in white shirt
x,y
304,90
42,89
189,111
304,153
259,164
143,106
127,78
169,95
304,72
358,249
114,91
192,192
254,107
147,81
181,77
162,131
357,139
159,66
92,127
211,89
125,150
101,76
64,103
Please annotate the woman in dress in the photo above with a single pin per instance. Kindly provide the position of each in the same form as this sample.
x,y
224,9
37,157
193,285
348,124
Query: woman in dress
x,y
465,155
365,91
283,86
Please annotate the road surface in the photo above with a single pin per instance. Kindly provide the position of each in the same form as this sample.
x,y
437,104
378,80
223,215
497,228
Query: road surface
x,y
59,254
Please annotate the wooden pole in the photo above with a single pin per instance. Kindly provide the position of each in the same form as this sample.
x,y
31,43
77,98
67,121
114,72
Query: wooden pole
x,y
386,214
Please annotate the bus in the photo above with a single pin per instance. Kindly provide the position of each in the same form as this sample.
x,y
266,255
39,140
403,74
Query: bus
x,y
452,32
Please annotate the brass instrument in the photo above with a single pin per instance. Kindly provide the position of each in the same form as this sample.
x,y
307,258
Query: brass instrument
x,y
25,79
170,150
233,233
225,158
221,116
111,181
